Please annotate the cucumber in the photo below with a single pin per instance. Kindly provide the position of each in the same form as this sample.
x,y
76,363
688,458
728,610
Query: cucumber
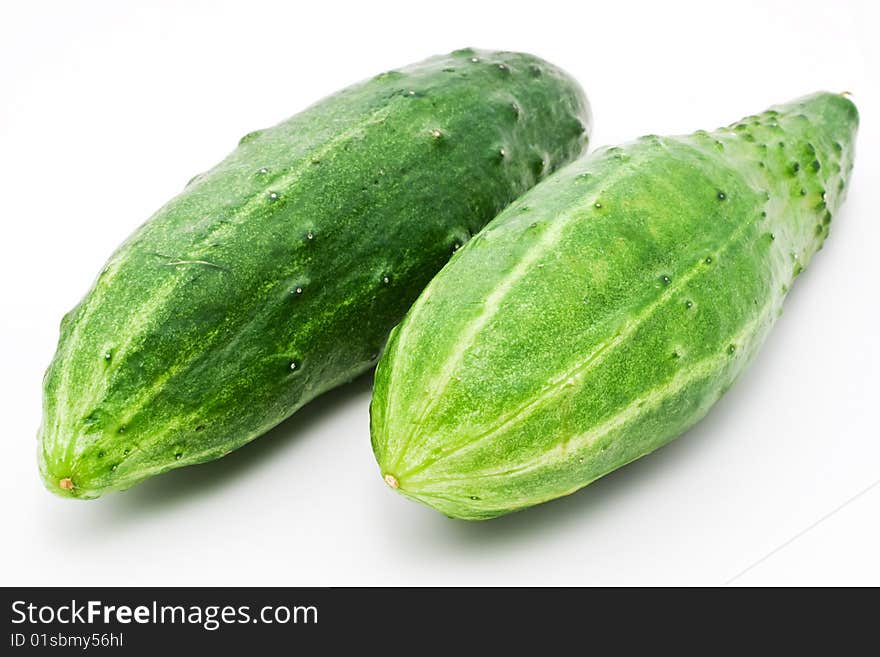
x,y
605,311
277,275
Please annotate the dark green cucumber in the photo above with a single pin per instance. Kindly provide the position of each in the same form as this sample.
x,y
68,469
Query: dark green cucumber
x,y
604,312
278,274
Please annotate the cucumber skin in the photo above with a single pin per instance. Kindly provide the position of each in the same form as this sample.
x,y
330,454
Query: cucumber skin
x,y
277,275
605,311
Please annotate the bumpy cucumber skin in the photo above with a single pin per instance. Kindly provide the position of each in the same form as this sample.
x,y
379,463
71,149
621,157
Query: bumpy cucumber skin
x,y
604,312
278,274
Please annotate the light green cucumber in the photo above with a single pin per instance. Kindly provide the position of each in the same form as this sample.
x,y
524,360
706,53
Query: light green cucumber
x,y
605,311
278,274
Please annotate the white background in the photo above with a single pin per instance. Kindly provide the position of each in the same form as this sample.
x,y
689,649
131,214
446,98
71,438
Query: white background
x,y
108,108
